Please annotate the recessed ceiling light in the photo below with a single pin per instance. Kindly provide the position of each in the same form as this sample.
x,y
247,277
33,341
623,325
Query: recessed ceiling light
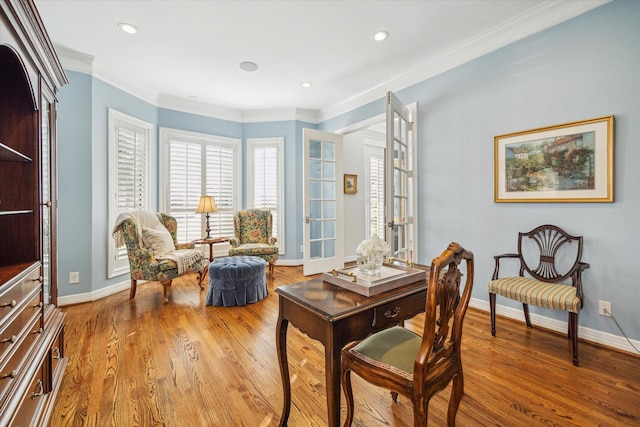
x,y
380,35
127,28
306,84
248,66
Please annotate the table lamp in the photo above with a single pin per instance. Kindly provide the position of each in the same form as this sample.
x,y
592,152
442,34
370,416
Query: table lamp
x,y
206,206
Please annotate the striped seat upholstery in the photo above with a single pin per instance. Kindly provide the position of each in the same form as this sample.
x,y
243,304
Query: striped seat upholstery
x,y
535,292
550,276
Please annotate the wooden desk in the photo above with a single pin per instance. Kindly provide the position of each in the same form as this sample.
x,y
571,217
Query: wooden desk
x,y
335,316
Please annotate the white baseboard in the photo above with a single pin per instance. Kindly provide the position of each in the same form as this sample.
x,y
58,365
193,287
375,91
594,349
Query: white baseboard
x,y
587,334
96,295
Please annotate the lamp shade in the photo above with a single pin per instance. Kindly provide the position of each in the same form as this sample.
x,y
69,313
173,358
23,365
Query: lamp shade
x,y
207,204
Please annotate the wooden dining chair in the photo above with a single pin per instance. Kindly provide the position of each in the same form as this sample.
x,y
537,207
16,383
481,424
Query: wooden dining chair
x,y
419,366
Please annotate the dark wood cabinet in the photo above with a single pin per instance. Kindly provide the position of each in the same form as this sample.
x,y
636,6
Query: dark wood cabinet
x,y
32,357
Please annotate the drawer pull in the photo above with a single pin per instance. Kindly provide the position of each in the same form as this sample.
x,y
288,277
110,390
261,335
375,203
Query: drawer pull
x,y
39,390
11,374
11,340
56,353
38,305
391,314
38,331
13,303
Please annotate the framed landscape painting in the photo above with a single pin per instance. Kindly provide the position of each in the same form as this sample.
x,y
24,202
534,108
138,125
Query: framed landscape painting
x,y
572,162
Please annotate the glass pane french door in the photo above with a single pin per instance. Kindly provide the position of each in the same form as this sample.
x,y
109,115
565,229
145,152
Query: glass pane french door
x,y
399,200
322,236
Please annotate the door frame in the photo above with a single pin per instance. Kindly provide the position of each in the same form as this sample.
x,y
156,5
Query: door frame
x,y
381,118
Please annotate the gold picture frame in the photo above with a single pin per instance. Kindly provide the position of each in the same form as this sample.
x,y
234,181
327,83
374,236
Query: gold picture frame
x,y
572,162
350,184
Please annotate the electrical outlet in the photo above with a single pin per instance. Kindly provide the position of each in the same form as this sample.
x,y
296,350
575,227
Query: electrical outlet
x,y
74,277
301,248
604,308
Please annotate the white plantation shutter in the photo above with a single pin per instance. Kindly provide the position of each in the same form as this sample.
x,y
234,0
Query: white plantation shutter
x,y
265,188
375,179
185,172
132,168
220,183
196,165
129,171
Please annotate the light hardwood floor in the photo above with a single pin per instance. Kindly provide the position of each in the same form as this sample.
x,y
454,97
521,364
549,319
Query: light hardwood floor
x,y
142,362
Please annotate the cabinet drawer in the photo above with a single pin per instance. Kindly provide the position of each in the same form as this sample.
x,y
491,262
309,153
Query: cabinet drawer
x,y
405,308
57,351
10,333
11,298
11,368
34,397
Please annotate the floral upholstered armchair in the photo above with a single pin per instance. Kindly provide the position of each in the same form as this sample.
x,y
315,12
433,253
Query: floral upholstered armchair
x,y
252,236
153,251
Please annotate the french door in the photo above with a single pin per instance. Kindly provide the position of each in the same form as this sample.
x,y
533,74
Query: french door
x,y
400,184
323,245
322,193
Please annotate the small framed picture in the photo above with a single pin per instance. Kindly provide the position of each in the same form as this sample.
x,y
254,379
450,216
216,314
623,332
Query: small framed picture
x,y
350,184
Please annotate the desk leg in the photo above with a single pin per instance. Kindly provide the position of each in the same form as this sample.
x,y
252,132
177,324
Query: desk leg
x,y
281,344
332,369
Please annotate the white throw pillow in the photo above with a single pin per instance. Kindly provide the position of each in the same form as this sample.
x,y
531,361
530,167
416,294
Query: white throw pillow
x,y
158,239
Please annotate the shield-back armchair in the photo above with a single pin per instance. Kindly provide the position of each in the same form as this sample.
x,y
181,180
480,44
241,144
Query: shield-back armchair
x,y
550,276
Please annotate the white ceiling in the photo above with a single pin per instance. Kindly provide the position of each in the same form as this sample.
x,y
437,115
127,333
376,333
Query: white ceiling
x,y
191,50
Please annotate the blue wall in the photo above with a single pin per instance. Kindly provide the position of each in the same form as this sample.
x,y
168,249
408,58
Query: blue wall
x,y
74,183
584,68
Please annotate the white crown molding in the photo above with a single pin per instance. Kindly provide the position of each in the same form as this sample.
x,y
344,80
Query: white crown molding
x,y
87,64
544,16
280,114
73,60
193,106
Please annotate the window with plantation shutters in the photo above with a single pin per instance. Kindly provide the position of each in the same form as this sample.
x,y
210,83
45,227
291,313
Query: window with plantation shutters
x,y
195,165
374,158
130,187
265,181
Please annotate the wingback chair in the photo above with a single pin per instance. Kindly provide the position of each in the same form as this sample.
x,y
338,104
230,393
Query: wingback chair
x,y
252,236
145,264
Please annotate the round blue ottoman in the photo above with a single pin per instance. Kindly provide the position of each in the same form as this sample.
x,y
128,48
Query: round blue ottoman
x,y
236,280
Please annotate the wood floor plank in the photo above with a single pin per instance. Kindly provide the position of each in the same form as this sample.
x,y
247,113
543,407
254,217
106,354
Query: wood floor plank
x,y
144,362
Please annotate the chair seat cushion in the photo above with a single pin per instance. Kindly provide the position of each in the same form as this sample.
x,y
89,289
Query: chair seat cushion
x,y
254,249
535,292
392,349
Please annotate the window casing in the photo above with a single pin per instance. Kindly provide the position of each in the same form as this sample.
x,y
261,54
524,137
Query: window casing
x,y
265,188
130,186
193,165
